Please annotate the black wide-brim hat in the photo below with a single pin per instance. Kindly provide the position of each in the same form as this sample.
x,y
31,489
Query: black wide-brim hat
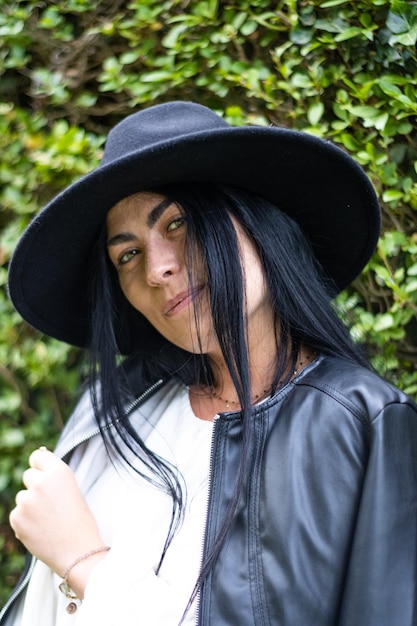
x,y
310,179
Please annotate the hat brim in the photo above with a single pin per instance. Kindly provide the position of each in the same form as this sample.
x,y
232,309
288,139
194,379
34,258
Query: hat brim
x,y
312,180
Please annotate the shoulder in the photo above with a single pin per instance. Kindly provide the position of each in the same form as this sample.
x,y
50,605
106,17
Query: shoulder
x,y
357,389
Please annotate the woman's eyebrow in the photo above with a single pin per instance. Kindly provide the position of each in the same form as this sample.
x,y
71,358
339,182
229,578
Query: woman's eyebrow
x,y
121,238
153,217
157,212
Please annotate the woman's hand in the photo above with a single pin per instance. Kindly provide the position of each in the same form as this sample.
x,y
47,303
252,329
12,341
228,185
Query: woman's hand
x,y
52,519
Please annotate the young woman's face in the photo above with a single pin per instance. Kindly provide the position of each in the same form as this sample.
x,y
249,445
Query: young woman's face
x,y
146,244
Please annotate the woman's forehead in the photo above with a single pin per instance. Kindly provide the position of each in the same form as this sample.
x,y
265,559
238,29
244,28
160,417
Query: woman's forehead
x,y
137,206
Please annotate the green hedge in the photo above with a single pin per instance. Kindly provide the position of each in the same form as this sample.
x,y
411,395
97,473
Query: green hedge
x,y
344,70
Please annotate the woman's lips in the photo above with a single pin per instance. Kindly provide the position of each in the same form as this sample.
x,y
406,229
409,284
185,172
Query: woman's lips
x,y
181,301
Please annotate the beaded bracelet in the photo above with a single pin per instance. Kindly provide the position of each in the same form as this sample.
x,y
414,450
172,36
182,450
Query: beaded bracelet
x,y
64,586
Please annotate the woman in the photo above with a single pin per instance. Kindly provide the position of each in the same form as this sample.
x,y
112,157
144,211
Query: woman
x,y
242,464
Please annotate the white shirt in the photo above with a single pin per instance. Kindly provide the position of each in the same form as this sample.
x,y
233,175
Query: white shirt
x,y
133,517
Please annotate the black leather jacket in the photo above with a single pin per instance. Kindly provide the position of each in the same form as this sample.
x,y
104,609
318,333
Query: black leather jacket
x,y
326,532
326,529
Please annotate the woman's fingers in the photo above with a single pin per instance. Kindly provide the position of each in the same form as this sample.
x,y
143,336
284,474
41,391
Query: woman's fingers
x,y
43,459
51,517
31,478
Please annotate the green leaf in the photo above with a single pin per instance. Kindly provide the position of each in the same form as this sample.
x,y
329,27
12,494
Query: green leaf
x,y
349,33
411,286
383,322
332,3
365,111
157,76
392,195
315,113
406,39
301,36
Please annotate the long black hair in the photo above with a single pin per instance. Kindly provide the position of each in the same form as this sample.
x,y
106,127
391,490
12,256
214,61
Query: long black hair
x,y
301,298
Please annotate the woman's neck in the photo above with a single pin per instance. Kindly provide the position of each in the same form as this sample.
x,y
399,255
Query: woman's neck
x,y
262,359
206,401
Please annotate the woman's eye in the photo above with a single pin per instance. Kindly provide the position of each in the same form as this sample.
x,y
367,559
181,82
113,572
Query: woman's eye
x,y
126,257
176,223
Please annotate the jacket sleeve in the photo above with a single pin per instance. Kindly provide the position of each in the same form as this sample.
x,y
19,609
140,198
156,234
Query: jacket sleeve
x,y
381,582
131,596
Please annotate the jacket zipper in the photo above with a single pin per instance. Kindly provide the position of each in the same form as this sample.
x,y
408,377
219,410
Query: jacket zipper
x,y
131,407
209,481
16,593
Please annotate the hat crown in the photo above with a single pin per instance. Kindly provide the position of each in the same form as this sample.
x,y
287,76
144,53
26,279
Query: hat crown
x,y
159,124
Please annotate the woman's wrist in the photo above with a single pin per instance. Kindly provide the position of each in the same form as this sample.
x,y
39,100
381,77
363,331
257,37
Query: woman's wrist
x,y
76,575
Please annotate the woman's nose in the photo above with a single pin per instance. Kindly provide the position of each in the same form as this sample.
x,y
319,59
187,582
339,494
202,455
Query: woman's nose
x,y
162,262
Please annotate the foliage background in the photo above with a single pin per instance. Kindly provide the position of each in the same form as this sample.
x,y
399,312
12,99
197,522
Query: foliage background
x,y
70,69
